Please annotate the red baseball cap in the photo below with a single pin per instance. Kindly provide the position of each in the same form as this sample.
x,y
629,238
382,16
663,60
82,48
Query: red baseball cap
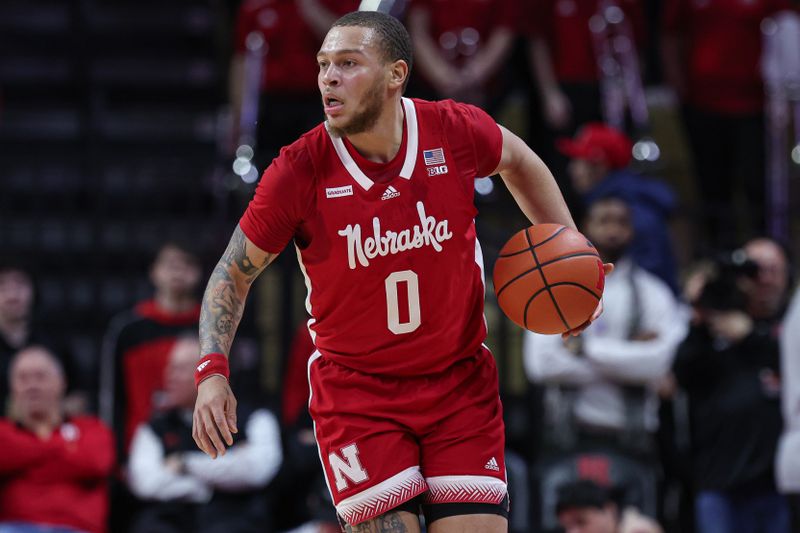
x,y
598,142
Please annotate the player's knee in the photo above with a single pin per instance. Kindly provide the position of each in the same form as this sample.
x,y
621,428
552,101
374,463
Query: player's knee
x,y
472,523
393,521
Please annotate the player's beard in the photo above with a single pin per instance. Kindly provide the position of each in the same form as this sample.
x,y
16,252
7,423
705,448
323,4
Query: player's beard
x,y
366,117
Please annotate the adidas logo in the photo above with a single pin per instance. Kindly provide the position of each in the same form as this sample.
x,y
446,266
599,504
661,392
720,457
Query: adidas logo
x,y
203,365
492,465
389,193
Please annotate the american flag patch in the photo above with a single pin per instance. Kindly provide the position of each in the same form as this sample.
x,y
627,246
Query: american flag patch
x,y
433,157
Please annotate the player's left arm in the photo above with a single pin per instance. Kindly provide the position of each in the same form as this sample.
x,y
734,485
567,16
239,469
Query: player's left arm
x,y
536,192
531,183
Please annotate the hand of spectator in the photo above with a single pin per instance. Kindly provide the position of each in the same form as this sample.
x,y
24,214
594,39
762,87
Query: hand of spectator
x,y
644,336
731,326
608,268
214,418
174,463
557,109
635,522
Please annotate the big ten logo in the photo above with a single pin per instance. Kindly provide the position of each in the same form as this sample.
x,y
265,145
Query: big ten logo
x,y
347,466
436,171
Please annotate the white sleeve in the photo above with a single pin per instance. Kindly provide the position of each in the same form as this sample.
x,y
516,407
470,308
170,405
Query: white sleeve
x,y
547,360
247,465
149,479
790,366
648,360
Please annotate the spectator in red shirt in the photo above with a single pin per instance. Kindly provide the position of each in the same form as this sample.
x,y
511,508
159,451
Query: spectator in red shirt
x,y
565,72
711,53
461,47
292,31
564,62
54,469
138,342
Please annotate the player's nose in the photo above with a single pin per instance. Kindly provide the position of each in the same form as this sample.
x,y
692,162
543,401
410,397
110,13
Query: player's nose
x,y
330,75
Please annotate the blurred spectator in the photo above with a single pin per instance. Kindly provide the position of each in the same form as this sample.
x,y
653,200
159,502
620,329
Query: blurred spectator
x,y
564,61
138,342
599,158
18,329
600,386
788,460
461,47
711,56
54,469
292,31
768,291
585,507
188,491
729,367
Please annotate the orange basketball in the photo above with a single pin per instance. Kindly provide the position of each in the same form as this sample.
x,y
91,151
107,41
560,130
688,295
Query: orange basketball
x,y
548,278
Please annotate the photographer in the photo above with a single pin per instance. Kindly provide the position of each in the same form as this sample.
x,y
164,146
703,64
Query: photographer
x,y
729,367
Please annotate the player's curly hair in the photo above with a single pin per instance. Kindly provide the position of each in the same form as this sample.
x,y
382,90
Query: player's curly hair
x,y
395,42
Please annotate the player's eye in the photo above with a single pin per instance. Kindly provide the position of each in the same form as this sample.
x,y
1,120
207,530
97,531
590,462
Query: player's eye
x,y
348,63
322,64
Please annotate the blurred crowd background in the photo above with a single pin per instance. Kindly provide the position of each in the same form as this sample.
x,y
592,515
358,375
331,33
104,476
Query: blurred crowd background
x,y
133,133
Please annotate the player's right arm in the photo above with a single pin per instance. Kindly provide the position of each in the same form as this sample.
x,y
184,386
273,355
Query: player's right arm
x,y
221,311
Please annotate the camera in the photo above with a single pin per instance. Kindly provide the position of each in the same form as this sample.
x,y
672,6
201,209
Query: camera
x,y
723,291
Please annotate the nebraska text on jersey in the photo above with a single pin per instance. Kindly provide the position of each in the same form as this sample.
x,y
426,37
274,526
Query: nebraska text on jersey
x,y
430,232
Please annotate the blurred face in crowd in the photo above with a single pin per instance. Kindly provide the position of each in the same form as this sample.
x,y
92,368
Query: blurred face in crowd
x,y
353,79
608,225
16,296
179,376
175,272
585,174
770,288
589,519
37,384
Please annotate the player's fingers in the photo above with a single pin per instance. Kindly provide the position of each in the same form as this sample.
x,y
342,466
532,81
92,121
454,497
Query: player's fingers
x,y
212,431
221,421
608,268
597,312
202,440
231,413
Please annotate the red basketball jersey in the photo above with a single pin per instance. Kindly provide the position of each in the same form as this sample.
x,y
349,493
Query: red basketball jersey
x,y
392,264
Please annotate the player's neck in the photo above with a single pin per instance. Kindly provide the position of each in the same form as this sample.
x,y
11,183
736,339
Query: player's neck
x,y
382,142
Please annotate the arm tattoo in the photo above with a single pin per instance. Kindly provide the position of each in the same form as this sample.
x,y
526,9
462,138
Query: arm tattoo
x,y
223,302
387,523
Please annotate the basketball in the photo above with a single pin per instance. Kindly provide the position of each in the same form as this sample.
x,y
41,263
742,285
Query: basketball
x,y
548,278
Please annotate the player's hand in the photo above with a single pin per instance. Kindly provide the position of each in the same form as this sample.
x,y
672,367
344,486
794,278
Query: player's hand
x,y
214,420
608,268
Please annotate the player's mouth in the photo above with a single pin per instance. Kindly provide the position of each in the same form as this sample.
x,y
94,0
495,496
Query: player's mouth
x,y
333,106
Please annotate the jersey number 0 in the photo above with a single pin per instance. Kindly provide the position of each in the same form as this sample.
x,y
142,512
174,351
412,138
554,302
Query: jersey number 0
x,y
393,305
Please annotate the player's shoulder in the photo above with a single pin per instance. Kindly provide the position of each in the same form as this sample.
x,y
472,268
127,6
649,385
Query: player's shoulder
x,y
443,108
303,153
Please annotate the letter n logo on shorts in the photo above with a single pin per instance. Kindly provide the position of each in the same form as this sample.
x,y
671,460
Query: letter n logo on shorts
x,y
349,467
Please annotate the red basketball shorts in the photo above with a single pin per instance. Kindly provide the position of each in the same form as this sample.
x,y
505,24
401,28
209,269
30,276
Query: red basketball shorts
x,y
384,441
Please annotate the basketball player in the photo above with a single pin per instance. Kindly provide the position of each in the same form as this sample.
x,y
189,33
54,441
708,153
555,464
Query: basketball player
x,y
379,203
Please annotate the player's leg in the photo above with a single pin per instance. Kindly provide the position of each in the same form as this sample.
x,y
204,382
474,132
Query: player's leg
x,y
475,523
463,459
371,462
391,522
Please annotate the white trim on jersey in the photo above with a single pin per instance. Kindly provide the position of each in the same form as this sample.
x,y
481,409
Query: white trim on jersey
x,y
479,261
314,356
465,489
413,139
412,145
382,497
308,295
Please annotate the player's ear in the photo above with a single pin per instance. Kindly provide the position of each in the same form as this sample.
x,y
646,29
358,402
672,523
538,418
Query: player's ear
x,y
398,73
